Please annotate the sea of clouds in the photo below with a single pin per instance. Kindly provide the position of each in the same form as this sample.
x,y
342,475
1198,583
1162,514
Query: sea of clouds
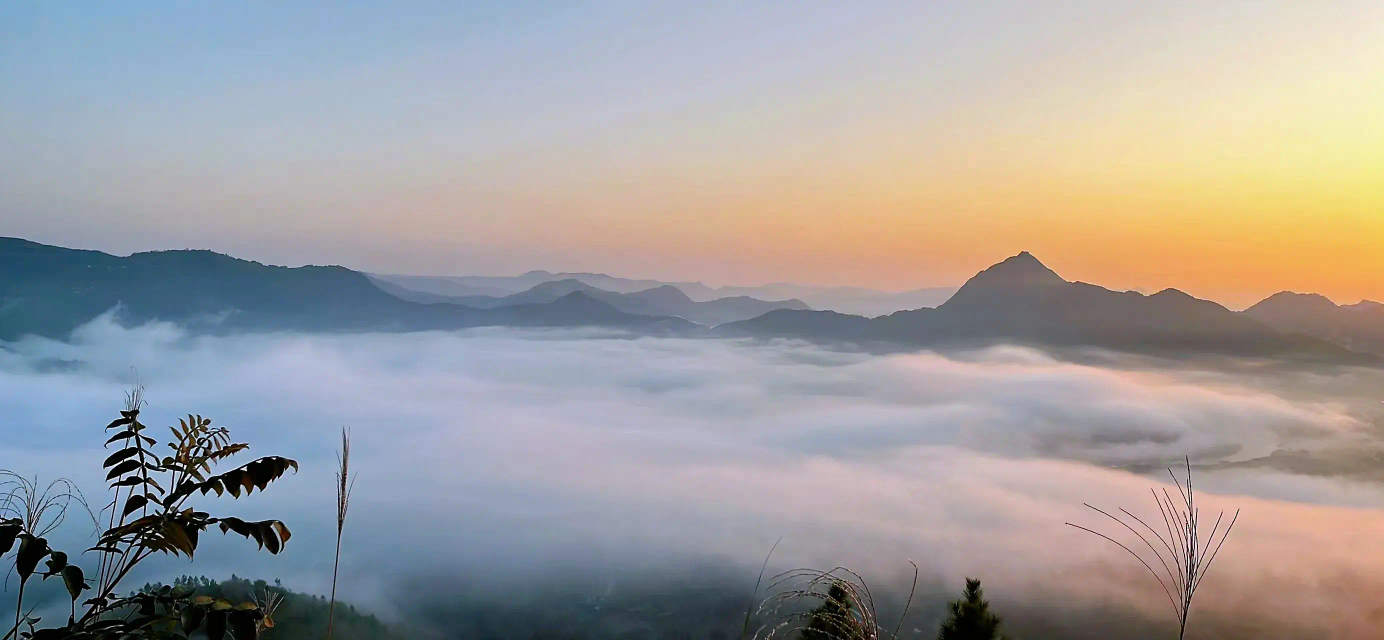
x,y
510,457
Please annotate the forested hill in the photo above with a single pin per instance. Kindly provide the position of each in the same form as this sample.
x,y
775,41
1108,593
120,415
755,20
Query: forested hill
x,y
298,616
49,291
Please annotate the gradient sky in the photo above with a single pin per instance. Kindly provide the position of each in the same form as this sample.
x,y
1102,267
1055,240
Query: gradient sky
x,y
1230,149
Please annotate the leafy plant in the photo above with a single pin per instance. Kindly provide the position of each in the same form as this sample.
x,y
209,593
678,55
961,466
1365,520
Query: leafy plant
x,y
149,514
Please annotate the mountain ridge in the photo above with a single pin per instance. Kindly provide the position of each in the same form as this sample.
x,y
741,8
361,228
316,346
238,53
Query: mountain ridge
x,y
1020,300
50,291
664,300
859,300
1359,326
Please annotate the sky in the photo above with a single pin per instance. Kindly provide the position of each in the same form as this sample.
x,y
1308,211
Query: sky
x,y
1230,149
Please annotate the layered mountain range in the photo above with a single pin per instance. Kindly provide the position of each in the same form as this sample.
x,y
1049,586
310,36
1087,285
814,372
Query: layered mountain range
x,y
1020,300
50,291
659,300
854,300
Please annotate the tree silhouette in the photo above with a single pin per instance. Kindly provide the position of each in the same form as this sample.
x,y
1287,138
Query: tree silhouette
x,y
834,619
970,617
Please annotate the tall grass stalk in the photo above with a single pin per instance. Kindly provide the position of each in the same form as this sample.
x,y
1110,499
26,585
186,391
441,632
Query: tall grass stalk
x,y
41,509
1188,557
344,484
754,596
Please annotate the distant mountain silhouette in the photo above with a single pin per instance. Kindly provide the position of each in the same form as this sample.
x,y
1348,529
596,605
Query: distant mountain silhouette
x,y
856,300
664,300
1359,327
49,291
1022,301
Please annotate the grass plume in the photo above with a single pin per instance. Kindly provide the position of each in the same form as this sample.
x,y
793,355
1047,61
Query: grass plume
x,y
846,607
344,484
1182,553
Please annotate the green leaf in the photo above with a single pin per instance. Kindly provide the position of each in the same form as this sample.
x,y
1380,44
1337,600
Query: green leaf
x,y
9,530
153,483
56,561
128,433
192,618
123,468
135,503
177,536
73,580
31,550
270,538
267,534
119,455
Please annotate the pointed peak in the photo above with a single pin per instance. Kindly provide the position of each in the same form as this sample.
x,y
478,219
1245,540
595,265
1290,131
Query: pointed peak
x,y
1021,270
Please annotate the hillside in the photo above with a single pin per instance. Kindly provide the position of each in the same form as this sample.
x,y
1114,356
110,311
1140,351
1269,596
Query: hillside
x,y
663,300
854,300
1021,301
1359,327
50,291
299,616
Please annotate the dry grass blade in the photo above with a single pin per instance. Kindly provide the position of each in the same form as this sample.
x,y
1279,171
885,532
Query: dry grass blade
x,y
41,508
749,610
344,484
268,603
1187,560
852,613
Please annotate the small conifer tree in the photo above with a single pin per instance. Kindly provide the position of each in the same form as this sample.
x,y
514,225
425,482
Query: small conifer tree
x,y
970,617
835,619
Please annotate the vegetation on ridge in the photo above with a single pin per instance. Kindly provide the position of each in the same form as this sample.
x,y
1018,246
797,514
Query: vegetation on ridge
x,y
150,512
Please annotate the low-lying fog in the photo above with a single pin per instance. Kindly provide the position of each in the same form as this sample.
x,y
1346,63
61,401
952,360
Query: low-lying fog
x,y
493,461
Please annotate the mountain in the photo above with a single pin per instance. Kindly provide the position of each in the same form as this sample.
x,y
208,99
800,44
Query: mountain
x,y
856,300
501,286
664,300
1359,326
853,300
1021,300
49,291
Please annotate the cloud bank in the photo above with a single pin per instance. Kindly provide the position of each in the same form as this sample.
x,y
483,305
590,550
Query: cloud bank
x,y
514,458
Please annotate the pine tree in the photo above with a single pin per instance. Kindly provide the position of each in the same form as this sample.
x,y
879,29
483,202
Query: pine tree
x,y
971,618
834,619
